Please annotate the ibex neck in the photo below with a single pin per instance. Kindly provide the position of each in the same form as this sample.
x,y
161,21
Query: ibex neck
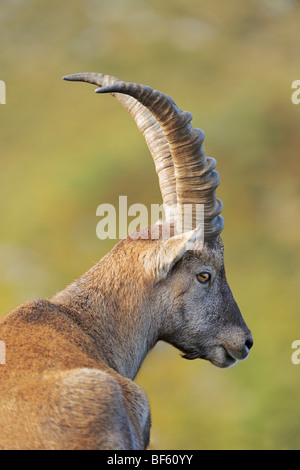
x,y
111,304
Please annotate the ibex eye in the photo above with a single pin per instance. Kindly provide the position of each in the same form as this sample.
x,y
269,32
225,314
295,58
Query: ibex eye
x,y
204,277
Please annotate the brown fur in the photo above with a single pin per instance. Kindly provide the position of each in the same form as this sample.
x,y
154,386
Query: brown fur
x,y
57,391
71,360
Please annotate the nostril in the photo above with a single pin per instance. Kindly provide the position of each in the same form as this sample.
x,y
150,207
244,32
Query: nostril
x,y
249,343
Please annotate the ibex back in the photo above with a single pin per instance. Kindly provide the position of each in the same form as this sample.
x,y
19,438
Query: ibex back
x,y
71,360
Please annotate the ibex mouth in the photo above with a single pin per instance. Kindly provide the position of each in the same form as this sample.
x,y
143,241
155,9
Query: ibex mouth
x,y
220,357
193,355
230,360
239,355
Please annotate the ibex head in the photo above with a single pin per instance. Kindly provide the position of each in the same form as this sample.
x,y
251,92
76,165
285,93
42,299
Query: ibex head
x,y
184,273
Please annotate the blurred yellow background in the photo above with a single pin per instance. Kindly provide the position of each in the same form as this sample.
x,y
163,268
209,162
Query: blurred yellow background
x,y
65,150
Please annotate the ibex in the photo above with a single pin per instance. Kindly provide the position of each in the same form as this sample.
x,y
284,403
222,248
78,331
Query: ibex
x,y
68,381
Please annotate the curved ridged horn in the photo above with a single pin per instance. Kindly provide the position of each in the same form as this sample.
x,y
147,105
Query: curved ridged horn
x,y
153,134
196,180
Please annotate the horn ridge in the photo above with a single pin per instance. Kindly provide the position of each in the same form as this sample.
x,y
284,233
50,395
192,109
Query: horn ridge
x,y
150,129
196,179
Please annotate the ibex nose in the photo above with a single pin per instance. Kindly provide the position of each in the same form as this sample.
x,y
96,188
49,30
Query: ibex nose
x,y
240,348
249,343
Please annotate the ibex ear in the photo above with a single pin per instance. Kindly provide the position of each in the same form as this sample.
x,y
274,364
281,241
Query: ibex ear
x,y
159,260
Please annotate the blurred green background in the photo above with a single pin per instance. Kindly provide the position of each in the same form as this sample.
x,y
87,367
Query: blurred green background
x,y
65,150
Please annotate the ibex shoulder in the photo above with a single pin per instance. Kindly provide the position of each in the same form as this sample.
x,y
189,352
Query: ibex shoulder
x,y
83,408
